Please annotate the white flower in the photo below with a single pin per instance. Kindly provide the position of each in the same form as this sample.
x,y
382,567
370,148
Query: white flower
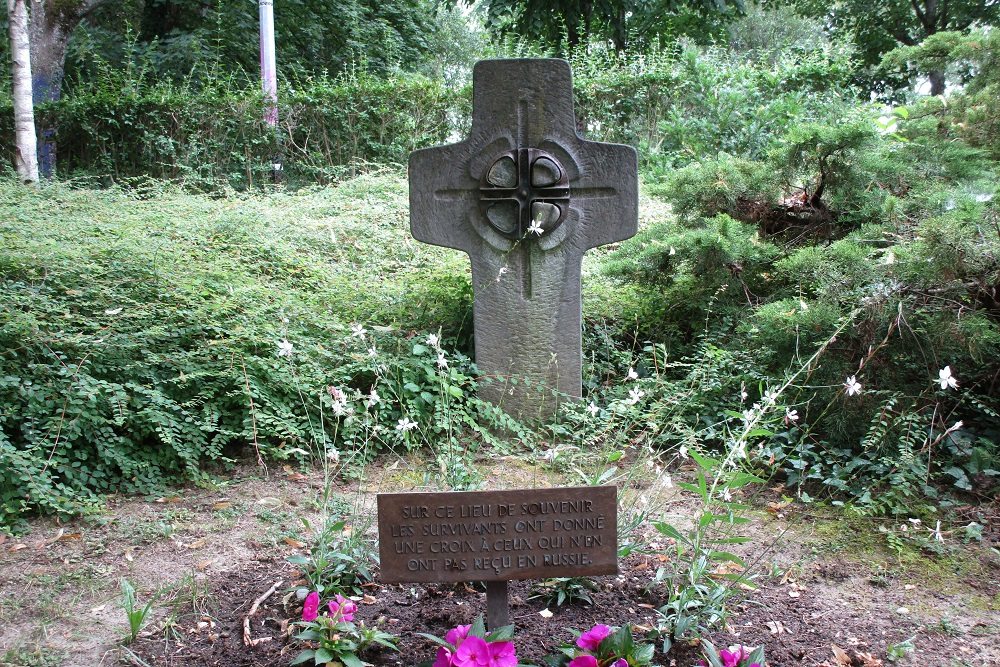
x,y
333,454
852,386
112,311
740,450
535,227
947,379
748,415
593,409
667,481
743,393
803,306
634,395
433,341
442,362
339,408
631,375
683,452
285,349
405,424
373,398
358,331
726,495
937,532
372,352
959,424
770,396
672,251
791,415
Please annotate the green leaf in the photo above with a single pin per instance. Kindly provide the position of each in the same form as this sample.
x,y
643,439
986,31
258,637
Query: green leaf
x,y
351,660
502,634
304,656
705,462
322,655
436,640
711,654
478,628
726,556
668,530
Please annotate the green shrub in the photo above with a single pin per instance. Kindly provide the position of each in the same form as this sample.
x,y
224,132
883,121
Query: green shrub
x,y
142,340
122,126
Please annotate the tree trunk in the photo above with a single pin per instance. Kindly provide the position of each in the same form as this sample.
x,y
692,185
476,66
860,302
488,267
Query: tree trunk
x,y
52,23
937,82
49,37
25,158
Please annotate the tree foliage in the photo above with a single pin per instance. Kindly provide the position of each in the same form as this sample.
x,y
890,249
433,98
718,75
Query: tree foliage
x,y
313,36
876,28
631,25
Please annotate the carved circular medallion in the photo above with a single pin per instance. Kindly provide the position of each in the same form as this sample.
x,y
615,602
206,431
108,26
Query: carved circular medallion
x,y
525,193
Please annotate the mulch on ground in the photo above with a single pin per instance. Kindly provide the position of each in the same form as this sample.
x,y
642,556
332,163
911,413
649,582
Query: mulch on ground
x,y
798,630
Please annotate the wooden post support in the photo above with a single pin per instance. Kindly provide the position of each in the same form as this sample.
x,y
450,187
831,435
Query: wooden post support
x,y
497,606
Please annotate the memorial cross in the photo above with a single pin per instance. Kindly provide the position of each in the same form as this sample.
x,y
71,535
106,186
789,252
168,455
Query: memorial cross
x,y
525,196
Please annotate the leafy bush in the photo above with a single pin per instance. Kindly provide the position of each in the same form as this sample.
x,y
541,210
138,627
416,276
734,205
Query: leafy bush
x,y
838,219
141,340
125,124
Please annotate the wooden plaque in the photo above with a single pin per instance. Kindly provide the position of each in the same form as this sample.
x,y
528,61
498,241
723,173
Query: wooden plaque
x,y
498,535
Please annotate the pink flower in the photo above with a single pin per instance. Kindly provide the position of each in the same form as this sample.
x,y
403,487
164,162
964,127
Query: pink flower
x,y
591,639
502,654
473,652
583,661
620,662
443,658
310,609
732,658
346,608
457,635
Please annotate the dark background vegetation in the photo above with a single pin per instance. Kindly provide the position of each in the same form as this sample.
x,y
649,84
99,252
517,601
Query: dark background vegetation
x,y
801,204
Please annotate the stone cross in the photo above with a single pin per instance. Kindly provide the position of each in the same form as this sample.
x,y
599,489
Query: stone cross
x,y
525,196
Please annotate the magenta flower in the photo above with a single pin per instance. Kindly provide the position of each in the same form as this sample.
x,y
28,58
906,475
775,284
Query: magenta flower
x,y
620,662
502,654
474,652
733,658
583,661
443,658
344,607
310,609
591,639
457,635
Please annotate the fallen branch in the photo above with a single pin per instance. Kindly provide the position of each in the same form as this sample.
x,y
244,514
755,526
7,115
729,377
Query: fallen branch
x,y
247,640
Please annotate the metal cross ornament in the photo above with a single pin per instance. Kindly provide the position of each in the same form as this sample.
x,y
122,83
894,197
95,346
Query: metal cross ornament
x,y
525,196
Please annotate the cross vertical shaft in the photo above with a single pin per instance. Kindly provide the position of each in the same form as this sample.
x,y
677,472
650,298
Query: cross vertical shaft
x,y
525,196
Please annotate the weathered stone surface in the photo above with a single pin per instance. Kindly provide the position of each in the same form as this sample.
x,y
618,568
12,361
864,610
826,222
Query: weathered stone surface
x,y
525,196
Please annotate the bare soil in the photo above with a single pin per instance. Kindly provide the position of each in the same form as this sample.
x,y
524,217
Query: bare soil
x,y
827,586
